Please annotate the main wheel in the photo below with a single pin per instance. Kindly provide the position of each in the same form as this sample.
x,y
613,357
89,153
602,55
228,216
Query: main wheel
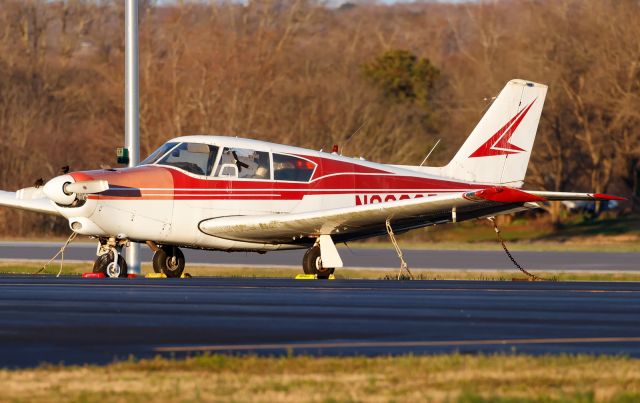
x,y
305,265
106,265
312,263
169,260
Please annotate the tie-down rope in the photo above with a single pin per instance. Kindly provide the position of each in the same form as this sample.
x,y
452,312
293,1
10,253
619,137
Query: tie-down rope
x,y
61,253
532,276
403,264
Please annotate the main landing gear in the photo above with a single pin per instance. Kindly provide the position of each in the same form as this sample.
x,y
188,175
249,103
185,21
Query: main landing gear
x,y
322,258
312,263
110,261
168,260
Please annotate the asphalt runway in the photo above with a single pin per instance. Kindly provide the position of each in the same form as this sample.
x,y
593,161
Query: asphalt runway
x,y
77,321
371,258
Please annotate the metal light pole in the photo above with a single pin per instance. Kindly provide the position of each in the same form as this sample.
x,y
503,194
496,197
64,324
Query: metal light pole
x,y
132,107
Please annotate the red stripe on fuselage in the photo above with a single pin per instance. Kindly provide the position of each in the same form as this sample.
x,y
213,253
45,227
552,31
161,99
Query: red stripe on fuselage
x,y
330,178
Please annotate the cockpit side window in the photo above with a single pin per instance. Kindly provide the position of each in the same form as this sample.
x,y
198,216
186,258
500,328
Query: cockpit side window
x,y
244,163
291,168
196,158
159,153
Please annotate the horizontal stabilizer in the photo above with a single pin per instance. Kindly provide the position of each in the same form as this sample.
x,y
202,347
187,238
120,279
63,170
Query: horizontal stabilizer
x,y
562,196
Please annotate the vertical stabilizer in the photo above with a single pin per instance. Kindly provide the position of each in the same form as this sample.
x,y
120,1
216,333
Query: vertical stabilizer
x,y
497,151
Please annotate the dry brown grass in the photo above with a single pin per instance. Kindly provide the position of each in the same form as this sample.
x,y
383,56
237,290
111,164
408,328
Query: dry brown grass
x,y
71,269
296,379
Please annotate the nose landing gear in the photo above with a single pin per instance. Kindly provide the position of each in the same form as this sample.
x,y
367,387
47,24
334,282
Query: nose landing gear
x,y
110,261
169,260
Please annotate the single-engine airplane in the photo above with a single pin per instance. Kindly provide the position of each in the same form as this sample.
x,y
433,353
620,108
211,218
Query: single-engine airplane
x,y
234,194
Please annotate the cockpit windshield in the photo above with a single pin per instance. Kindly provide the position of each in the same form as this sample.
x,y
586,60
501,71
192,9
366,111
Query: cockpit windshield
x,y
157,154
196,158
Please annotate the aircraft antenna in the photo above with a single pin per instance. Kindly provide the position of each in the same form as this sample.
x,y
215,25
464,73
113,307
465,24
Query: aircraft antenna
x,y
352,135
432,148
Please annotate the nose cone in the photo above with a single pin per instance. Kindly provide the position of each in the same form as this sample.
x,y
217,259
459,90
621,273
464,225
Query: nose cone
x,y
54,190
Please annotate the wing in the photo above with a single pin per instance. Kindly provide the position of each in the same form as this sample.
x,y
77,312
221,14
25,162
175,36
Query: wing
x,y
369,220
31,199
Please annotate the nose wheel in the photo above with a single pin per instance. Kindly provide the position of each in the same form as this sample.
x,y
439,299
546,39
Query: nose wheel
x,y
312,263
110,261
169,260
109,266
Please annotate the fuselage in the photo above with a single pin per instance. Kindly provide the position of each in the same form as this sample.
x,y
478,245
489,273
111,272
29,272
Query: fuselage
x,y
195,178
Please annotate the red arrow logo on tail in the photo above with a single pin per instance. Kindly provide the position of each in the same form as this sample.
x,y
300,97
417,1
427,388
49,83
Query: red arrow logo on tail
x,y
499,144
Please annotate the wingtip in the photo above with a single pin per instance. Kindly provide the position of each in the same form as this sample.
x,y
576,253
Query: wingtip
x,y
602,196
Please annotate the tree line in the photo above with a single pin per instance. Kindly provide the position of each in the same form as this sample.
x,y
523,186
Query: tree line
x,y
385,82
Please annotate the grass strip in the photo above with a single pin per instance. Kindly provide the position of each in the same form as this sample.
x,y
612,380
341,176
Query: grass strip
x,y
438,378
76,269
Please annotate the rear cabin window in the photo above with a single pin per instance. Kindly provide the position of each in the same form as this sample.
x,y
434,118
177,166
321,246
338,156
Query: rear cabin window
x,y
196,158
290,168
244,164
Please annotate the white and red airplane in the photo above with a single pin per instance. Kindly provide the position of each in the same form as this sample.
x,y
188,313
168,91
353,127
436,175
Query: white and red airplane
x,y
233,194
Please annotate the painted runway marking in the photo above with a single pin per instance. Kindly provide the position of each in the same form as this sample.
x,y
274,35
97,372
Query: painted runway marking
x,y
383,344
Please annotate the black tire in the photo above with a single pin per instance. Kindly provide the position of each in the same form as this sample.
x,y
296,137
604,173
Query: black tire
x,y
305,264
101,265
170,261
157,259
312,263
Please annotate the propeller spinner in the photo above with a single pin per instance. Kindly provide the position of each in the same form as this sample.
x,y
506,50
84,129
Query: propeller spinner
x,y
64,190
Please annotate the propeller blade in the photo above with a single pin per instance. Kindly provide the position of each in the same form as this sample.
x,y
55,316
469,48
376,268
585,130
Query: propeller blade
x,y
30,193
87,187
